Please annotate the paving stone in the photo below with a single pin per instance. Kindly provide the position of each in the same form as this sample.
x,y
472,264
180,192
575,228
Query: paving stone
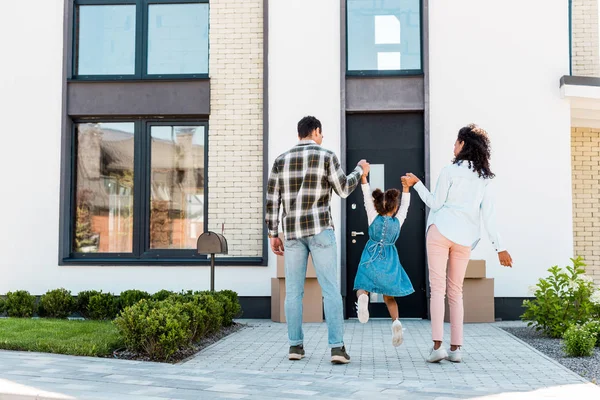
x,y
496,367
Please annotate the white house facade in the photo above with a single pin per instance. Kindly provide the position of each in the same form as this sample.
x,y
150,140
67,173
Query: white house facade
x,y
158,120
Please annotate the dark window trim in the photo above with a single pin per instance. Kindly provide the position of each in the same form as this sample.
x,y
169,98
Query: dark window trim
x,y
570,37
165,262
140,256
398,72
141,42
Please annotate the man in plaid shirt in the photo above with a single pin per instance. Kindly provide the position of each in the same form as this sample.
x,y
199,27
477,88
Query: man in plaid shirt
x,y
302,179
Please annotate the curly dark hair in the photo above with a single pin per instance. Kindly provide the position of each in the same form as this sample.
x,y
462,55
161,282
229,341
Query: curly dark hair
x,y
476,150
387,202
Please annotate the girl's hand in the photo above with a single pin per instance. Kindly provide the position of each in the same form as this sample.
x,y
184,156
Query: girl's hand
x,y
505,259
405,186
363,179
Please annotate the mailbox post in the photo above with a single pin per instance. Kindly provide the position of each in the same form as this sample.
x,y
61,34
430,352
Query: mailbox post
x,y
212,243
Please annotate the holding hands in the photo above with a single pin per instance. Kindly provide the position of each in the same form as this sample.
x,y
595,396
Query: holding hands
x,y
366,169
409,179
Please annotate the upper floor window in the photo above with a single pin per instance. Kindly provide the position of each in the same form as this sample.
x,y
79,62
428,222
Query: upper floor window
x,y
384,37
140,39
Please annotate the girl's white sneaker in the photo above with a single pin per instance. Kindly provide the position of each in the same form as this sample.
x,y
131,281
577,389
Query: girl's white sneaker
x,y
437,355
455,356
362,308
397,334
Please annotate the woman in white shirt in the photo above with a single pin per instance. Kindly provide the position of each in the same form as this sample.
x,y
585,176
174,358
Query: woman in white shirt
x,y
462,198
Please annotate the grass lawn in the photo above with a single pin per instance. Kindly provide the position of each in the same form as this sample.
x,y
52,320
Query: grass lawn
x,y
80,338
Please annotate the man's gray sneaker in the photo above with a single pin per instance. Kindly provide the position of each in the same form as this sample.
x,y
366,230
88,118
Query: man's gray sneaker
x,y
339,355
296,352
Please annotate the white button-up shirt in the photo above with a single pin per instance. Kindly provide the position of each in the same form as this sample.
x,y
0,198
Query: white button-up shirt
x,y
460,201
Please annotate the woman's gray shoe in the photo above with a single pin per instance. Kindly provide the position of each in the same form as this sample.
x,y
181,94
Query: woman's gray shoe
x,y
455,356
339,355
296,352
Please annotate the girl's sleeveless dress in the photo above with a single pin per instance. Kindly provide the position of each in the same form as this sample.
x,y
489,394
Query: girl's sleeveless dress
x,y
380,270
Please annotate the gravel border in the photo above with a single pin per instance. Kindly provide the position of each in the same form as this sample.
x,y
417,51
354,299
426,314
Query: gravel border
x,y
587,367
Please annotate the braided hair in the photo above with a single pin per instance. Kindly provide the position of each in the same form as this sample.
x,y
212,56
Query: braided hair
x,y
476,150
387,202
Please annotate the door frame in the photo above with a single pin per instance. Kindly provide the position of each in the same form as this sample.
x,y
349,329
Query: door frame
x,y
401,106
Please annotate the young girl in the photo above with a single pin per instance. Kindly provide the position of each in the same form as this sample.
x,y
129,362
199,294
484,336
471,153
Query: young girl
x,y
380,270
461,200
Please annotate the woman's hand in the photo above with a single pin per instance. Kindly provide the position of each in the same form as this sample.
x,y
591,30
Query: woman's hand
x,y
505,259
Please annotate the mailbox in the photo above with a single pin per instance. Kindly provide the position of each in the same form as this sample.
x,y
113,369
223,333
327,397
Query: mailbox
x,y
212,243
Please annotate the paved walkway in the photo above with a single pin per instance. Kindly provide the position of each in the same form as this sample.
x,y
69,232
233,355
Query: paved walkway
x,y
252,364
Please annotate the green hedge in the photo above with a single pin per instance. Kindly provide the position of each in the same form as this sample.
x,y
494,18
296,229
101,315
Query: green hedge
x,y
156,325
56,303
20,304
160,328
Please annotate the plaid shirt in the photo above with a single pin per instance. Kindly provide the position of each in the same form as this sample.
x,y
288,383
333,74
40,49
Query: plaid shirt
x,y
302,178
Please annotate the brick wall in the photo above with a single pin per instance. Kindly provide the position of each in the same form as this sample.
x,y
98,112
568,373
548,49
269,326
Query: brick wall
x,y
585,155
585,53
235,164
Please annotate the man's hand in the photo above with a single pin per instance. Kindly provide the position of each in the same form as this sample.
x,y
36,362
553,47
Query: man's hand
x,y
505,259
277,246
365,166
410,179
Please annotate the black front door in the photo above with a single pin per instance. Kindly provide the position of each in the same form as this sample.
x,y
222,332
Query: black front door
x,y
393,144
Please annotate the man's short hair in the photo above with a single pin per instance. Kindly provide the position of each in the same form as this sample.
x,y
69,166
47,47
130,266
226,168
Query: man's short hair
x,y
307,125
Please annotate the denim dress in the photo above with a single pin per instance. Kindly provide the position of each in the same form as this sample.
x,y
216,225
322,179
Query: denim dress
x,y
379,270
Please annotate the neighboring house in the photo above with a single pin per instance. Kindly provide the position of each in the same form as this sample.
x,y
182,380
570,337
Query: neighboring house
x,y
158,120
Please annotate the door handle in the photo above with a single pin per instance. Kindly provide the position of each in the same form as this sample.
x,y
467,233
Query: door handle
x,y
357,234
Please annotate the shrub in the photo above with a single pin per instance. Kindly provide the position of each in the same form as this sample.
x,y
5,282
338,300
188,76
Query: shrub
x,y
210,304
83,301
155,328
579,341
561,299
56,304
231,306
103,306
20,304
594,328
162,295
198,320
131,297
2,305
595,299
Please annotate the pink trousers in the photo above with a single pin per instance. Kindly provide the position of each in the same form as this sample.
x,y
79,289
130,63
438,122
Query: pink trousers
x,y
443,254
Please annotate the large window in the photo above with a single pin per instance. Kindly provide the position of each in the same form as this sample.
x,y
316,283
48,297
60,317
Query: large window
x,y
139,189
384,37
140,39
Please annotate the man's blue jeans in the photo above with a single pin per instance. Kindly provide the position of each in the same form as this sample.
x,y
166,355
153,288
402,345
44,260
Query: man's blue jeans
x,y
323,249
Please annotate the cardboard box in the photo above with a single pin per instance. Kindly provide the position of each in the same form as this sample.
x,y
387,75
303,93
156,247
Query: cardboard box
x,y
475,269
312,303
310,269
478,299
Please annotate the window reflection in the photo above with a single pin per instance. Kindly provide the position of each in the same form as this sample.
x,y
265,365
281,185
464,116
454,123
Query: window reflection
x,y
384,35
105,40
176,186
177,38
104,188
